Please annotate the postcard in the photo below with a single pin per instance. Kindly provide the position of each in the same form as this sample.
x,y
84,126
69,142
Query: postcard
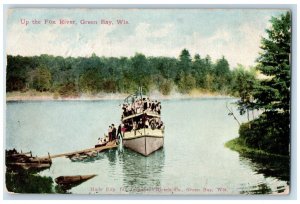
x,y
148,101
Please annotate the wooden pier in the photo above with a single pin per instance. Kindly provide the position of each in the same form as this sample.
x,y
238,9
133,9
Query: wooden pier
x,y
109,145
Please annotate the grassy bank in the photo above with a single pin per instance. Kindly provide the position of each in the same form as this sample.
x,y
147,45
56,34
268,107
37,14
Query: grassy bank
x,y
238,145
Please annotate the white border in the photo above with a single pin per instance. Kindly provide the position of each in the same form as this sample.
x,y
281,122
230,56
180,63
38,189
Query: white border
x,y
154,4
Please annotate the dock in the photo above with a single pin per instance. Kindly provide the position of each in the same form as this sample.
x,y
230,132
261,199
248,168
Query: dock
x,y
110,145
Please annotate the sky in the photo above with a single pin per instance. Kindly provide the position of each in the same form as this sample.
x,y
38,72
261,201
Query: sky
x,y
232,33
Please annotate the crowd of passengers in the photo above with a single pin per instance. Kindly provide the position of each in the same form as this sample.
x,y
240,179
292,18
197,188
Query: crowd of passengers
x,y
131,125
140,106
143,122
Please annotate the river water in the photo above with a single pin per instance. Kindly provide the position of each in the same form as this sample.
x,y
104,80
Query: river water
x,y
192,161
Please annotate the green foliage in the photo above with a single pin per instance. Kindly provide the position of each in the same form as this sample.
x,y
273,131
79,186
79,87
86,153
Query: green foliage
x,y
68,90
90,82
186,83
17,72
165,87
68,77
222,75
26,182
273,94
244,83
185,61
271,131
239,145
268,133
40,79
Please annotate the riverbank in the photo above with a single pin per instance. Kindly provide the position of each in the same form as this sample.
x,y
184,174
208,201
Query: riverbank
x,y
49,96
236,144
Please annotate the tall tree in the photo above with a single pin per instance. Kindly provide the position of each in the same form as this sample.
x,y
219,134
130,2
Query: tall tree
x,y
199,70
222,75
274,92
271,131
185,61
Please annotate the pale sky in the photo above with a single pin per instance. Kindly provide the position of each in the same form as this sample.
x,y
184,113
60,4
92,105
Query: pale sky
x,y
234,33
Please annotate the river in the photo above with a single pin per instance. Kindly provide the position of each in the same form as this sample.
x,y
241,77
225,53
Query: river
x,y
192,161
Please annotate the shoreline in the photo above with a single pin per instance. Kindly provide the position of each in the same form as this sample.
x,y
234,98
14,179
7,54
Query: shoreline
x,y
236,145
48,96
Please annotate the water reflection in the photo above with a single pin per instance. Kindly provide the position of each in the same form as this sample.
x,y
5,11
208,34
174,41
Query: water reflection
x,y
261,188
111,156
141,174
270,167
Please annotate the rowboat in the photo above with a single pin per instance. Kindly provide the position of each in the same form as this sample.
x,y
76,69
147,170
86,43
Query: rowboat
x,y
26,160
83,156
68,181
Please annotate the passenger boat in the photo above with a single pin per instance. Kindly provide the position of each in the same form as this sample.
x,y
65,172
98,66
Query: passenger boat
x,y
143,130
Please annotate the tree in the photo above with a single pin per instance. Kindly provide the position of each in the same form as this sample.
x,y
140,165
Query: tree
x,y
222,75
186,83
185,61
17,72
139,72
272,95
243,85
90,82
165,87
199,70
41,79
68,90
222,67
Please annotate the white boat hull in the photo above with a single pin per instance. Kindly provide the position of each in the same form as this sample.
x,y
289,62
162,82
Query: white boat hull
x,y
144,141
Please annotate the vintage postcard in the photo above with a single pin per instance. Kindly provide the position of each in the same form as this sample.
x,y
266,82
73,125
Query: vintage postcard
x,y
148,101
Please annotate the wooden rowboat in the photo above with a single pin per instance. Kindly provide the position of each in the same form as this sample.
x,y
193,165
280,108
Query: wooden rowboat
x,y
14,159
71,180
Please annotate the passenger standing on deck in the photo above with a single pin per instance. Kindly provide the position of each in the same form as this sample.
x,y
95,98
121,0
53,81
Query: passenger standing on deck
x,y
119,133
114,132
110,133
123,128
159,108
152,106
124,110
144,104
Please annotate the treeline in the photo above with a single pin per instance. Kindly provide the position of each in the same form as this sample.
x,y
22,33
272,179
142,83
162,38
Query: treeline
x,y
72,76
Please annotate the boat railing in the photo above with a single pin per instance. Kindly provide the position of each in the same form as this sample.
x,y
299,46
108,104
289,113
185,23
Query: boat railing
x,y
148,113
